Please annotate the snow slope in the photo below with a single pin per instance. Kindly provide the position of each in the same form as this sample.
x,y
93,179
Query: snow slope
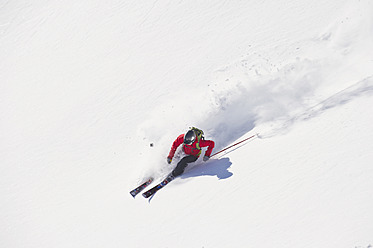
x,y
85,87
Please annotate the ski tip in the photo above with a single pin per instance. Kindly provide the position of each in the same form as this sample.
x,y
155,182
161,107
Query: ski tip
x,y
148,194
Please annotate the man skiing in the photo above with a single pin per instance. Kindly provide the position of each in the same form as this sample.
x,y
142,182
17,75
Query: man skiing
x,y
192,141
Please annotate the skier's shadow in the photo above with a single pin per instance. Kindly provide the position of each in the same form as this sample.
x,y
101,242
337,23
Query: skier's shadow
x,y
214,167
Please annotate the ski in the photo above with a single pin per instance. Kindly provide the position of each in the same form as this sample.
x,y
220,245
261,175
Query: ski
x,y
157,187
141,187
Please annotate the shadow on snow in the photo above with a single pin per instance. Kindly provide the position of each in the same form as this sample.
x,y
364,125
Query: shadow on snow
x,y
214,167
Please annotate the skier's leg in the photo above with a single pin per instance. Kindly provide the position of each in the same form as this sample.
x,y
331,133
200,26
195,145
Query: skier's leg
x,y
183,163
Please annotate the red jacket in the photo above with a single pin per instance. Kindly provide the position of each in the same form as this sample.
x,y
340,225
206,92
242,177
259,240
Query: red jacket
x,y
191,149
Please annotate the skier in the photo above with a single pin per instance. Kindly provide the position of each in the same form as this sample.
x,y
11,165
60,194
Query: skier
x,y
192,141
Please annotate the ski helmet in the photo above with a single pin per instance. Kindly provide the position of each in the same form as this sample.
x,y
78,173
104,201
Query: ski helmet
x,y
189,137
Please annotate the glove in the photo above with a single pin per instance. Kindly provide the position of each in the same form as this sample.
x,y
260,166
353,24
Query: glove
x,y
205,158
169,160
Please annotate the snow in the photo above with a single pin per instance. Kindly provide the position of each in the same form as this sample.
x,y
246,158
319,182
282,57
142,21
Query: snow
x,y
86,87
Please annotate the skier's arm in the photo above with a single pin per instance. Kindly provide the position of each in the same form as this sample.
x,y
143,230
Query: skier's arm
x,y
179,140
210,144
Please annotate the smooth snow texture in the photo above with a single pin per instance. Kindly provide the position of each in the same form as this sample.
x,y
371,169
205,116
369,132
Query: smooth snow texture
x,y
86,87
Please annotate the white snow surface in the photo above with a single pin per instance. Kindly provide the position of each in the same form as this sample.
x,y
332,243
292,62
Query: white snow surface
x,y
87,86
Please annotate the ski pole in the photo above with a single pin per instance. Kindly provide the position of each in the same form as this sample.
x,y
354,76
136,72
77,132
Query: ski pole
x,y
234,145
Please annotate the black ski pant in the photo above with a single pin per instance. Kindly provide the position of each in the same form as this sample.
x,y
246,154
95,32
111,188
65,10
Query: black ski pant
x,y
183,163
